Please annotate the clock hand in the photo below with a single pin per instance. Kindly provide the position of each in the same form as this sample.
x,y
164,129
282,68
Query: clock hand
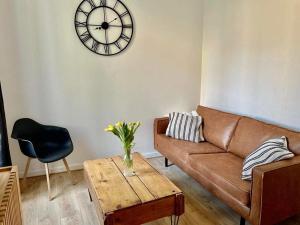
x,y
113,20
104,12
106,39
98,27
124,25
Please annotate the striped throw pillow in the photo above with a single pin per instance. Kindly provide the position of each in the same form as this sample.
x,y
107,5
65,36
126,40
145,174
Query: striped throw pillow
x,y
185,126
270,151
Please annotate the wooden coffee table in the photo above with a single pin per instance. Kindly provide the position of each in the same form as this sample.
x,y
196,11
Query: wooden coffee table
x,y
135,200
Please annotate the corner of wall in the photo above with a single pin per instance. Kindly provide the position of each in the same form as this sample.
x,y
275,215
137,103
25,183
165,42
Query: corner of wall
x,y
201,94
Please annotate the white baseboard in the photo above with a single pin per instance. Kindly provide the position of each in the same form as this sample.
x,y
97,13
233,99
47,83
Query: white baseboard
x,y
56,169
74,166
148,155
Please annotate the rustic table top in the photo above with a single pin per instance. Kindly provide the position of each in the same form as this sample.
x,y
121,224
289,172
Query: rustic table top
x,y
115,191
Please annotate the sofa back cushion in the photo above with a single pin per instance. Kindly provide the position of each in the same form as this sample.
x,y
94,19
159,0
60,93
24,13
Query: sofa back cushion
x,y
218,126
251,133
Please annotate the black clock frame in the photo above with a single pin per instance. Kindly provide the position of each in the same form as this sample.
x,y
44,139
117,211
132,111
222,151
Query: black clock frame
x,y
120,20
129,40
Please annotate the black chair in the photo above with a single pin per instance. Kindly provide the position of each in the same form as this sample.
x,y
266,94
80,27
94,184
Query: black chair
x,y
46,143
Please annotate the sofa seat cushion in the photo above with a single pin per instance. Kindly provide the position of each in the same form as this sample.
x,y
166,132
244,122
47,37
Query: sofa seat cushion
x,y
224,171
178,150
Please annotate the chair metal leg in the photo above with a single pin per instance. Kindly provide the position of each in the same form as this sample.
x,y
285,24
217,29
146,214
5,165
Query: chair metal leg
x,y
26,171
48,181
243,221
69,171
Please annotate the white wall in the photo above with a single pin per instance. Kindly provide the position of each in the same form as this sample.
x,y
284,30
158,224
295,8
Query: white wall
x,y
250,61
48,75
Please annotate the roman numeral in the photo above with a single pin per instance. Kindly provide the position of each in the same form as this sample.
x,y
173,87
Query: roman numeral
x,y
118,45
117,2
127,26
125,38
85,36
91,3
106,49
84,12
103,3
80,24
95,45
124,14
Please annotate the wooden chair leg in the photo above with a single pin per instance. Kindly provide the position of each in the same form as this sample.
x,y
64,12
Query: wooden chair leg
x,y
48,181
26,171
69,171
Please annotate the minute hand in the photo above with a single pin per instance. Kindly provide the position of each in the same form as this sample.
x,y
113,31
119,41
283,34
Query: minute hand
x,y
113,20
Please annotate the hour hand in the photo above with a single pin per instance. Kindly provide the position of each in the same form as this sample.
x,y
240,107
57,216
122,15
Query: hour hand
x,y
98,27
94,25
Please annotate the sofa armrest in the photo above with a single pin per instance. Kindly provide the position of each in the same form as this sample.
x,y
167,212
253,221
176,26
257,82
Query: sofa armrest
x,y
275,192
161,125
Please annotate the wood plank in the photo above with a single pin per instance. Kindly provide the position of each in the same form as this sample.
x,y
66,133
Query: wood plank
x,y
153,195
138,186
202,208
94,198
146,212
31,203
10,209
158,185
112,189
74,220
4,176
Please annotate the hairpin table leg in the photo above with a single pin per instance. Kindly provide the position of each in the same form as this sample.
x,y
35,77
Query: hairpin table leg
x,y
167,163
90,195
175,220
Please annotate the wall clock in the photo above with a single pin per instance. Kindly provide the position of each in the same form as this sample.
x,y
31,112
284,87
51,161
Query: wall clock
x,y
104,26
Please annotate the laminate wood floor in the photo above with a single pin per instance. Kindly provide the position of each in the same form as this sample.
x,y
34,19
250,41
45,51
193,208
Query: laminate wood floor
x,y
71,204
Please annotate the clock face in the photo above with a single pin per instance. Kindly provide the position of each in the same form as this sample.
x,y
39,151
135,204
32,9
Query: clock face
x,y
104,26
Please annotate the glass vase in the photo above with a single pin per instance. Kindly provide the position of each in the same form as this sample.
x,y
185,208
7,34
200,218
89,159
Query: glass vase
x,y
128,163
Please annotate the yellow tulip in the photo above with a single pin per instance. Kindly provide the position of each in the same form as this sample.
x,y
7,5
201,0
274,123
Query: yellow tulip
x,y
119,124
109,128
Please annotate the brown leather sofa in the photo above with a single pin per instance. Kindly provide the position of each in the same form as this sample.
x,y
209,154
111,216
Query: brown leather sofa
x,y
274,193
